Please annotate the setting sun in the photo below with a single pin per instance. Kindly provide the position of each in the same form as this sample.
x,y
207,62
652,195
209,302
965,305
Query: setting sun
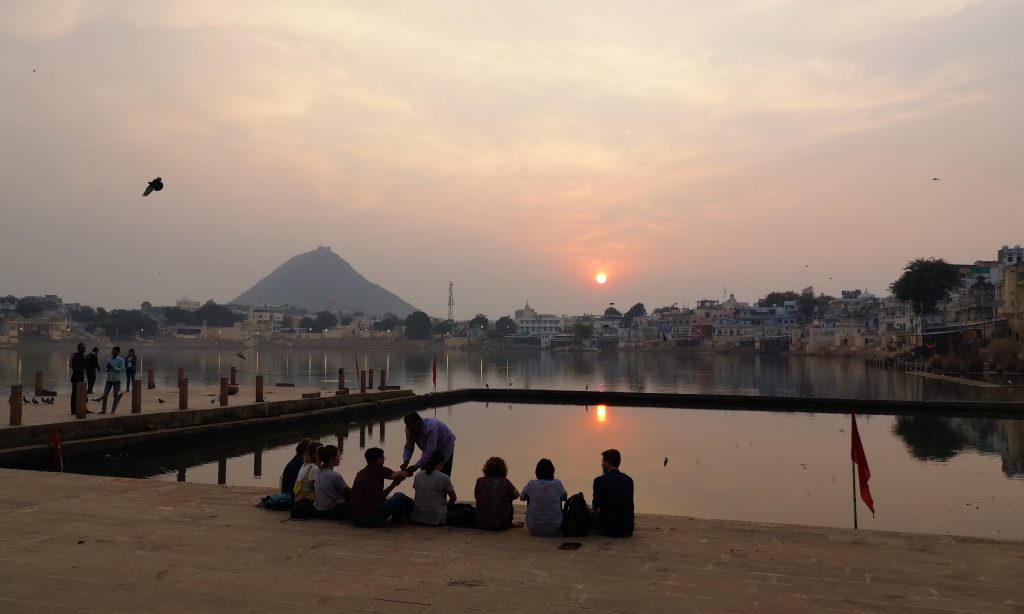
x,y
601,278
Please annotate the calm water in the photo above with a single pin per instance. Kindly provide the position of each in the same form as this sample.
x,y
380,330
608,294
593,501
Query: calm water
x,y
936,475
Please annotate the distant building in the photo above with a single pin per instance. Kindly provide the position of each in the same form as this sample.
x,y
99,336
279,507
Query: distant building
x,y
187,304
54,326
529,323
1011,307
265,318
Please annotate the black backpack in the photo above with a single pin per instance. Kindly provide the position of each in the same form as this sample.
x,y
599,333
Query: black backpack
x,y
303,509
575,517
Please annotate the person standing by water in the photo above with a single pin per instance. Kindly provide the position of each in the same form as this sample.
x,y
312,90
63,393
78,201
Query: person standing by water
x,y
429,434
92,366
77,367
115,367
130,363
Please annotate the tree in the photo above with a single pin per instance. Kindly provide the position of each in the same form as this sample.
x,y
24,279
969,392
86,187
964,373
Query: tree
x,y
146,305
778,299
215,315
346,320
27,308
807,302
925,282
443,327
307,323
325,320
635,311
417,325
582,331
612,311
479,322
388,322
505,326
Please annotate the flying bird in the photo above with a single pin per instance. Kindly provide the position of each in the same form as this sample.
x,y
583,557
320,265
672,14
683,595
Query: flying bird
x,y
486,385
936,179
239,354
161,401
154,186
666,462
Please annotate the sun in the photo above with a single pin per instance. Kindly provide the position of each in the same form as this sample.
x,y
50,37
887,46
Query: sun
x,y
600,278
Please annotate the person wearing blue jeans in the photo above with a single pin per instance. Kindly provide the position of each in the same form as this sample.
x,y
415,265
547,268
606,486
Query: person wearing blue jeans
x,y
371,506
115,368
130,364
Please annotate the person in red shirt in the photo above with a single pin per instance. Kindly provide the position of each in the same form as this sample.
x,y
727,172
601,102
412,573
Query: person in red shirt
x,y
371,506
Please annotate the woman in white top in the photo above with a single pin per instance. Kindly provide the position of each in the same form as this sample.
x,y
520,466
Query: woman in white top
x,y
544,497
332,493
306,480
432,488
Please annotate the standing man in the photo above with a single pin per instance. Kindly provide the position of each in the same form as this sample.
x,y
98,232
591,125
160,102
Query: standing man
x,y
613,498
429,434
92,366
77,374
115,367
130,362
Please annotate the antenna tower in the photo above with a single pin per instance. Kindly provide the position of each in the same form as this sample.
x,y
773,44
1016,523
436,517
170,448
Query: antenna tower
x,y
451,301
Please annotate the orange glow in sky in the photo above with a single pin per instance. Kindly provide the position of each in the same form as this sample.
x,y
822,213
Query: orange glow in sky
x,y
602,413
600,278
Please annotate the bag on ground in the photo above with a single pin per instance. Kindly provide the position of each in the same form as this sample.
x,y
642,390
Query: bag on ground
x,y
575,517
461,515
279,501
303,509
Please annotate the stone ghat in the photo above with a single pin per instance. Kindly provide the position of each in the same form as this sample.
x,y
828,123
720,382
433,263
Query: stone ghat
x,y
121,545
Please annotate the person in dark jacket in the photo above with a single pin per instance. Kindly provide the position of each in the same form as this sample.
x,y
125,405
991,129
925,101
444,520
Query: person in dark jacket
x,y
92,367
291,470
131,363
613,498
77,374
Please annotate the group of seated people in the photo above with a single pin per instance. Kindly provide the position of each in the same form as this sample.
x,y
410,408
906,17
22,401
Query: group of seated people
x,y
311,476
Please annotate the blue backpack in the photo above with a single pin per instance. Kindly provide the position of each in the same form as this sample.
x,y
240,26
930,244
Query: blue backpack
x,y
279,501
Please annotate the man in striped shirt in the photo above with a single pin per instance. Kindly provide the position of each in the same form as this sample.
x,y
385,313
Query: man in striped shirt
x,y
428,434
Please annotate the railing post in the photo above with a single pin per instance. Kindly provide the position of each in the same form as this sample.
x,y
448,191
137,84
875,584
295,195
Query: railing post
x,y
39,383
362,381
137,396
234,376
181,374
16,404
383,379
369,379
80,400
223,398
151,381
259,388
341,379
183,393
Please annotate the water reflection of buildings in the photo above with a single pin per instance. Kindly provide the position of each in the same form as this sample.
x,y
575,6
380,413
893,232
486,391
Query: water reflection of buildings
x,y
932,438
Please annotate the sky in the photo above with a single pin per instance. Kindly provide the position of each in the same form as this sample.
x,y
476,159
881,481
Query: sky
x,y
684,148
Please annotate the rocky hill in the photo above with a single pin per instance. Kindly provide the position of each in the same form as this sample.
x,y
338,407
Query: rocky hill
x,y
320,280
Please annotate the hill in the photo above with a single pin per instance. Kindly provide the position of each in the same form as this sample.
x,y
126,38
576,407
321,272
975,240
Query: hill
x,y
314,279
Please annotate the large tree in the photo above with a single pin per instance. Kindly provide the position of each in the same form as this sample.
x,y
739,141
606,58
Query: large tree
x,y
325,320
505,326
779,298
581,331
635,311
417,325
479,322
925,282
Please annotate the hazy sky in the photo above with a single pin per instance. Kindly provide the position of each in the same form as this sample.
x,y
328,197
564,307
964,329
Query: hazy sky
x,y
516,148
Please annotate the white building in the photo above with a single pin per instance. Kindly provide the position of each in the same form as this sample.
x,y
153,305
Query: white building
x,y
531,323
187,304
265,318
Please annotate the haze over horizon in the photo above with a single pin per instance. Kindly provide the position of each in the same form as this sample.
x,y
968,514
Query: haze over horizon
x,y
517,150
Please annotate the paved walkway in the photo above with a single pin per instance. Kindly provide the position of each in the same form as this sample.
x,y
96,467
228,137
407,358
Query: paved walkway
x,y
121,545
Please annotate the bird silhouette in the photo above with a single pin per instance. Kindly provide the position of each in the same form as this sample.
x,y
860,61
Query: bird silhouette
x,y
586,387
486,385
936,179
239,354
161,401
666,462
25,400
154,186
34,401
510,383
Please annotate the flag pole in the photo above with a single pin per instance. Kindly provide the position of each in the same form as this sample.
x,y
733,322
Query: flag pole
x,y
853,488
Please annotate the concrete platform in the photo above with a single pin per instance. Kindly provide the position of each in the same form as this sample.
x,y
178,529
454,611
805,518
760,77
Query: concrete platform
x,y
120,545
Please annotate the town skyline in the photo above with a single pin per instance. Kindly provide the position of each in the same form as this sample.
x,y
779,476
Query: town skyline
x,y
517,151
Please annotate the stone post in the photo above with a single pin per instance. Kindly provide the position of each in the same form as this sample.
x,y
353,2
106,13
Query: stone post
x,y
137,396
234,376
182,393
383,379
257,463
181,374
16,396
362,436
362,381
259,388
39,383
369,379
223,398
80,400
341,379
222,471
151,381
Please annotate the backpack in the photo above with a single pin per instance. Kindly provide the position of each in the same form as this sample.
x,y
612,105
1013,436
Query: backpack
x,y
461,515
279,501
575,517
303,509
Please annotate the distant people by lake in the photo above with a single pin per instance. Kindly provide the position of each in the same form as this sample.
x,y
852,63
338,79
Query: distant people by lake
x,y
130,364
114,368
494,496
544,497
429,435
92,367
77,366
612,504
434,492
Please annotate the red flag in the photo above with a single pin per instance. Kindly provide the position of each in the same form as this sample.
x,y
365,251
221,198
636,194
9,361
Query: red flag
x,y
58,457
435,372
858,457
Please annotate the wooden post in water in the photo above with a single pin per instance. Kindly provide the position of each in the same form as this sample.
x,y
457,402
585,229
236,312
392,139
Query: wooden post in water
x,y
222,471
257,463
151,381
137,396
382,431
369,379
234,376
181,374
259,388
39,383
182,393
80,400
362,381
362,436
223,398
383,379
16,404
341,379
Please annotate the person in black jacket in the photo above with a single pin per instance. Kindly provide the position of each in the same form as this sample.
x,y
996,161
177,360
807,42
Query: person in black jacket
x,y
291,470
613,498
77,374
92,367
